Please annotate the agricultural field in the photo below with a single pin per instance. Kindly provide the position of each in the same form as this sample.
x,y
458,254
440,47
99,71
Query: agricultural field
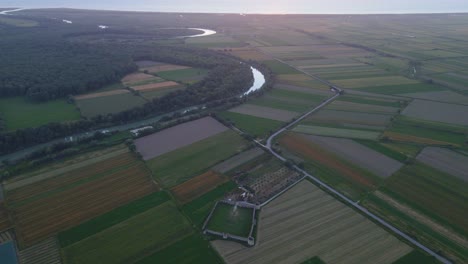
x,y
280,68
139,78
306,222
58,168
403,89
336,132
445,160
111,218
192,249
72,197
345,72
4,218
437,112
154,86
215,41
344,176
300,80
289,100
238,160
115,103
427,204
363,108
46,251
440,96
198,209
248,54
299,90
358,154
231,219
312,52
349,119
197,158
198,186
265,112
176,137
160,92
18,112
146,232
373,81
255,126
101,94
404,129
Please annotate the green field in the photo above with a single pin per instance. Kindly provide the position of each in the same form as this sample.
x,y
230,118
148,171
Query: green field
x,y
280,68
195,158
191,250
314,260
431,130
128,241
255,126
374,81
230,219
369,101
282,93
402,89
111,218
424,233
198,209
111,104
336,132
416,256
437,194
377,146
20,113
184,75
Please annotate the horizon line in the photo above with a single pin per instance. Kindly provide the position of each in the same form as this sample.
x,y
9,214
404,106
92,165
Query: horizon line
x,y
248,13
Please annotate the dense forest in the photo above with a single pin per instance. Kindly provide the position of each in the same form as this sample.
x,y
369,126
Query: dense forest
x,y
47,68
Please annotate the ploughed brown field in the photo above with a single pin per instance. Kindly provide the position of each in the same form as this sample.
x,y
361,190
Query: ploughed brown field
x,y
102,94
198,186
414,139
134,77
45,208
176,137
4,220
300,145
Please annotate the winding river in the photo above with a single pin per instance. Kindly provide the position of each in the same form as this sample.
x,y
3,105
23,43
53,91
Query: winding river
x,y
6,12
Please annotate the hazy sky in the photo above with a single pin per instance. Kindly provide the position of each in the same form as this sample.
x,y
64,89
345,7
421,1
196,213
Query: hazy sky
x,y
256,6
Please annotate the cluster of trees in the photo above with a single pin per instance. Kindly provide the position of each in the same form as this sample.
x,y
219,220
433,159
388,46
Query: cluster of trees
x,y
11,141
46,68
